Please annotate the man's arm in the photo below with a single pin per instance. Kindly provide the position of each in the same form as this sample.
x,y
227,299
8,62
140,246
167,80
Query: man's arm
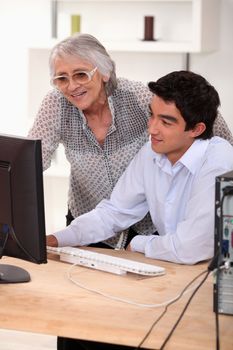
x,y
127,205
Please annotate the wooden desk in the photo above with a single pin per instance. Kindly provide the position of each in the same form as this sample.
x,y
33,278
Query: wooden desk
x,y
51,304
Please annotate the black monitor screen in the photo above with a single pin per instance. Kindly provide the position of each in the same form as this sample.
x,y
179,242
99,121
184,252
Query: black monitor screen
x,y
22,220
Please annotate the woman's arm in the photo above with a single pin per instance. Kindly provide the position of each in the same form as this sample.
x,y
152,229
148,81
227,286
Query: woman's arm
x,y
47,125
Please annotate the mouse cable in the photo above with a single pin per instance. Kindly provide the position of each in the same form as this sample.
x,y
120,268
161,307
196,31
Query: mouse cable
x,y
172,302
123,300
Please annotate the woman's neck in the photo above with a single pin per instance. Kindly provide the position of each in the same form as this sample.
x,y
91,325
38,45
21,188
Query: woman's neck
x,y
99,120
97,111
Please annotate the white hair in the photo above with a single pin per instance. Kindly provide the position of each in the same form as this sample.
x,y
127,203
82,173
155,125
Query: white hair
x,y
87,47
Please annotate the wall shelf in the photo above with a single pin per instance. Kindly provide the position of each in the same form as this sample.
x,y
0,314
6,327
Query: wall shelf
x,y
180,25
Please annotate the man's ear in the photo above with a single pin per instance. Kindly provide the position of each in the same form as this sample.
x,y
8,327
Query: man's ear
x,y
198,129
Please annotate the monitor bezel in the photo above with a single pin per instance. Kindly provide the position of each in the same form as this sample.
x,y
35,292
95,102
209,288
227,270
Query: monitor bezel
x,y
22,175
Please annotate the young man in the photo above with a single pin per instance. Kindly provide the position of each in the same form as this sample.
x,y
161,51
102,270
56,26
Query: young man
x,y
172,177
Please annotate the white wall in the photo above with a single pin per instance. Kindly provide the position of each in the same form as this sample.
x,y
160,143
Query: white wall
x,y
22,23
26,23
217,67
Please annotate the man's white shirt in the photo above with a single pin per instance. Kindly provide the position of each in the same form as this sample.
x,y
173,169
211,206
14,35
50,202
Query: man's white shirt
x,y
180,198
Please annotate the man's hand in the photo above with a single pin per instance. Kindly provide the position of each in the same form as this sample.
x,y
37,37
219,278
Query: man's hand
x,y
51,241
128,248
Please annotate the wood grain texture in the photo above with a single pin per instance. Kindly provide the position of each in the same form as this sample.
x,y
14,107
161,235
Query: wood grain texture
x,y
51,304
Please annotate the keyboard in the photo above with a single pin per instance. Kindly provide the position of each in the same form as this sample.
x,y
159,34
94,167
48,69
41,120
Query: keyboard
x,y
105,262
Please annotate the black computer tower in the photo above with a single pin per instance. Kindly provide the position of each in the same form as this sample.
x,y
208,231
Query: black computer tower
x,y
223,279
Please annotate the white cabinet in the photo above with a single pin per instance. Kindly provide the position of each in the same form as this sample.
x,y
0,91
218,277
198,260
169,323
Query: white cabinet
x,y
180,25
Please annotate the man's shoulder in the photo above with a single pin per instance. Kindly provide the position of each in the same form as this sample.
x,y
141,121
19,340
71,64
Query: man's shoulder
x,y
146,149
219,151
218,143
145,153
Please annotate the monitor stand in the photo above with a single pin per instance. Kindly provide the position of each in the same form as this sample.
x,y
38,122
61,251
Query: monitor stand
x,y
13,274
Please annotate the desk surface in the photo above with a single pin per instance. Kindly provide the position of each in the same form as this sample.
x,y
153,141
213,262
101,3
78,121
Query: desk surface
x,y
51,304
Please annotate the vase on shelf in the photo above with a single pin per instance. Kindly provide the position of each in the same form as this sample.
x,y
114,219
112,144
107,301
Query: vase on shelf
x,y
149,28
75,24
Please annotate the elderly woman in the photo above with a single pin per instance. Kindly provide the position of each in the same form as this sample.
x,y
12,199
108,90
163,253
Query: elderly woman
x,y
101,122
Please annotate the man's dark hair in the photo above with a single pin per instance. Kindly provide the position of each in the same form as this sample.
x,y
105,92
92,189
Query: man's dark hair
x,y
196,99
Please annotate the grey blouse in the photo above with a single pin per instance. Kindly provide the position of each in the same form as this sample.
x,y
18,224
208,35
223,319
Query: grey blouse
x,y
95,169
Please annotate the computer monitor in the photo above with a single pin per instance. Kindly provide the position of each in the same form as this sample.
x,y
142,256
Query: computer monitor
x,y
22,219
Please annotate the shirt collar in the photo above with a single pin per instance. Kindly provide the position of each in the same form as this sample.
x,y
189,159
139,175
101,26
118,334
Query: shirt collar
x,y
193,156
191,159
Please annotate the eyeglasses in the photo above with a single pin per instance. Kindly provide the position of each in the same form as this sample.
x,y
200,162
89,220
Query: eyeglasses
x,y
79,77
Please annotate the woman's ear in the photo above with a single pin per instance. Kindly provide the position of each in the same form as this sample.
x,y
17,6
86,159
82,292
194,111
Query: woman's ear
x,y
105,78
198,129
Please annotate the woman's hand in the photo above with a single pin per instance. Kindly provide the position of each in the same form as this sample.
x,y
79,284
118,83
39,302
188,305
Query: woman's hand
x,y
51,241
